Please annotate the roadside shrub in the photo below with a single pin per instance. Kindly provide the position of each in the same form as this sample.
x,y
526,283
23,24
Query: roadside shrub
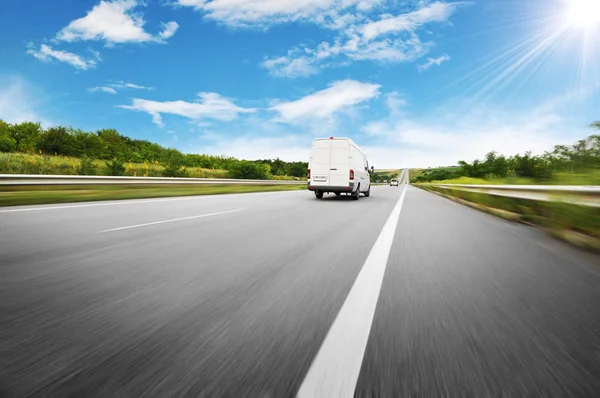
x,y
174,170
115,167
86,167
7,143
248,170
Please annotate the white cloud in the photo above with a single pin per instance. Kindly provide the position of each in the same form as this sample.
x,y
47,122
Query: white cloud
x,y
208,106
112,88
395,102
288,147
46,53
325,103
169,30
114,22
96,55
269,12
435,12
433,61
103,89
290,67
390,39
121,84
18,102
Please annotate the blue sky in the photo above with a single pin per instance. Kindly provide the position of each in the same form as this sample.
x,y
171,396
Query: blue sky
x,y
415,82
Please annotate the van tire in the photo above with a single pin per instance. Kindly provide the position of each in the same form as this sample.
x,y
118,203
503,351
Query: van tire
x,y
356,194
319,194
368,193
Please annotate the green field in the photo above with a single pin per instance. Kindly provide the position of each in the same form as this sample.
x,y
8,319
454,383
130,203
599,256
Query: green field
x,y
32,195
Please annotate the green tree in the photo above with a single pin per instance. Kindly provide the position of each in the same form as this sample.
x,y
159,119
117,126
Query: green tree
x,y
26,135
496,165
57,140
7,142
114,144
86,143
173,160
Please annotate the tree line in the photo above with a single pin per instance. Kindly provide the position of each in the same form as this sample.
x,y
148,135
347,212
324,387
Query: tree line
x,y
582,157
116,149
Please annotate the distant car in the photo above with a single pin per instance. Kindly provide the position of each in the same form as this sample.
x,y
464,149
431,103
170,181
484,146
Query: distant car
x,y
393,182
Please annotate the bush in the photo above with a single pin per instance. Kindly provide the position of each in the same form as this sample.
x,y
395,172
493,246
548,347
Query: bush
x,y
174,170
244,169
115,167
7,143
86,167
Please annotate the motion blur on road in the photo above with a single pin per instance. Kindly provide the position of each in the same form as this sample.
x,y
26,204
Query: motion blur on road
x,y
255,295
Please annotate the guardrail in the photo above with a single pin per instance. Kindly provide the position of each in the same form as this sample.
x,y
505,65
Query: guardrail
x,y
580,195
35,179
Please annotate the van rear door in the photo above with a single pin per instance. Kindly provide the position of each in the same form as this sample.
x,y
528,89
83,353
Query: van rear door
x,y
319,162
339,166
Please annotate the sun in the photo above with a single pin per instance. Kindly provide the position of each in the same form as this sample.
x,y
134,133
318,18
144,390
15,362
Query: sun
x,y
584,14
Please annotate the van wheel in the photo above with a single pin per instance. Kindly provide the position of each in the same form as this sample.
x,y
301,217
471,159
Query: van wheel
x,y
368,193
356,195
319,194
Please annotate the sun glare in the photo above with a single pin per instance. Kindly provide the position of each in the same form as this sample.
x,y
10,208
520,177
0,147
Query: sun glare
x,y
583,13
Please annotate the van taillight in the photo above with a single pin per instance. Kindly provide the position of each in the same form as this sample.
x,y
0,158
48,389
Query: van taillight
x,y
352,174
309,174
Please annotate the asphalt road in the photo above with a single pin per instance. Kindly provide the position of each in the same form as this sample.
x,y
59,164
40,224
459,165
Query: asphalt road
x,y
239,295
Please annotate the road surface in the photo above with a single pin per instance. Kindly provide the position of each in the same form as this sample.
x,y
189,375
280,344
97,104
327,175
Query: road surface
x,y
402,294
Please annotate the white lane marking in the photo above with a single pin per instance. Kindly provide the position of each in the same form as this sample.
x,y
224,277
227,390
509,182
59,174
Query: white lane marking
x,y
334,371
148,200
166,221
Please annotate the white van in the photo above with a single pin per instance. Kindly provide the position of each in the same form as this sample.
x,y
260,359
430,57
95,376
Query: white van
x,y
337,165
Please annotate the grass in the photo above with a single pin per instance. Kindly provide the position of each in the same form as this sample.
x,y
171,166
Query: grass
x,y
556,216
32,195
589,178
414,173
21,163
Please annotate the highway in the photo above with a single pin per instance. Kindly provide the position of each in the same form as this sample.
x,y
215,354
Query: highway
x,y
268,295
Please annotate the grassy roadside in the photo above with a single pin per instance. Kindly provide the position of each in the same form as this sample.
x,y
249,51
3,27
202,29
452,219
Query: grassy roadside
x,y
589,178
31,195
21,163
577,224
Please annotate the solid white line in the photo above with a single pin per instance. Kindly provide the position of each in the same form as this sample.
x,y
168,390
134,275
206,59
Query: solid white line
x,y
166,221
137,201
334,371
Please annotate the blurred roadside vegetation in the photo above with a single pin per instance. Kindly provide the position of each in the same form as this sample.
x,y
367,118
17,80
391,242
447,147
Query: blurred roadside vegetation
x,y
32,195
27,148
577,164
384,175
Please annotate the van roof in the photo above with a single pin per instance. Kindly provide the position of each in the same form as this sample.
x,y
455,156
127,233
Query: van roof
x,y
333,138
340,138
